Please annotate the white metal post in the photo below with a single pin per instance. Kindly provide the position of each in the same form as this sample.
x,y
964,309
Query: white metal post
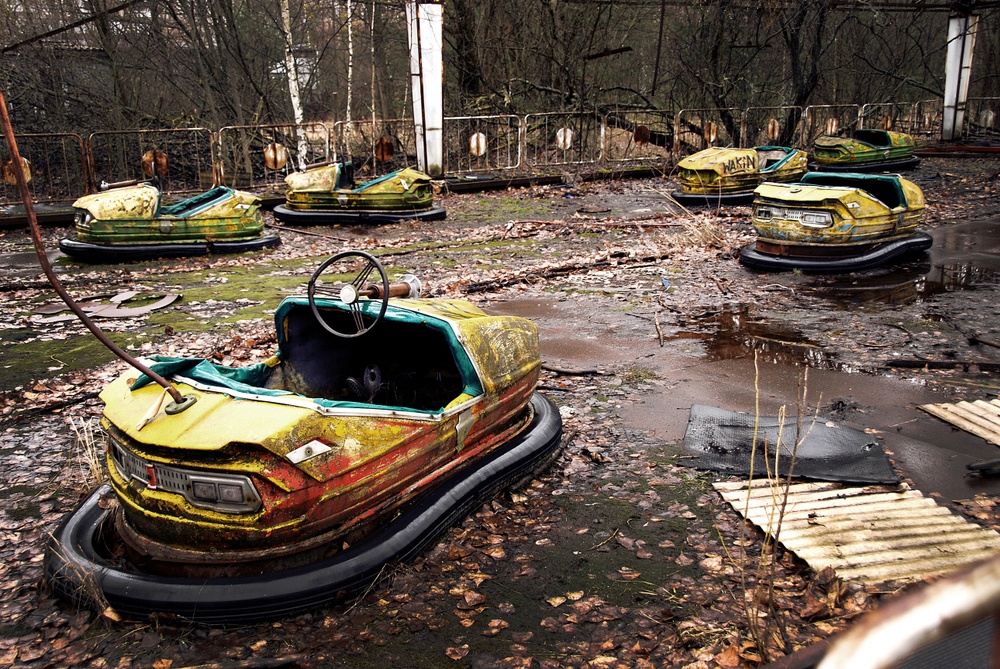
x,y
424,23
958,68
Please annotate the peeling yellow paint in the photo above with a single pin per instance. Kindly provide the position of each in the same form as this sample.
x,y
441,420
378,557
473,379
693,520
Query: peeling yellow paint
x,y
728,170
324,188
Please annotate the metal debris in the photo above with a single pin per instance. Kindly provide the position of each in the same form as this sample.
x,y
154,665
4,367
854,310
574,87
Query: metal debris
x,y
949,623
869,534
723,440
95,307
981,418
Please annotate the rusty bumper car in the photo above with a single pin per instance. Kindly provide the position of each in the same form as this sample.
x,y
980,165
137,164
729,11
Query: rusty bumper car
x,y
725,176
133,223
326,194
865,150
835,223
294,482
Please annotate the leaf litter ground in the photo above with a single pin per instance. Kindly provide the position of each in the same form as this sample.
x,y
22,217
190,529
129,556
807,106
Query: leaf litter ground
x,y
618,556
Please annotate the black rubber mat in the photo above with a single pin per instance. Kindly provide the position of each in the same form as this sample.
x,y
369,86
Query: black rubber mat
x,y
722,440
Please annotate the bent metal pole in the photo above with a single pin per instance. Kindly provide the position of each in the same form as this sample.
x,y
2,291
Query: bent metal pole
x,y
180,402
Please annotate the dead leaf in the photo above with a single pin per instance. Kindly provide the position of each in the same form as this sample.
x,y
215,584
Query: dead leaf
x,y
457,654
495,626
625,541
712,563
730,657
111,614
814,608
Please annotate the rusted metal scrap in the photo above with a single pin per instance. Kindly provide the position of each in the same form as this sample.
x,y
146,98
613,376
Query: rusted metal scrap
x,y
96,307
902,626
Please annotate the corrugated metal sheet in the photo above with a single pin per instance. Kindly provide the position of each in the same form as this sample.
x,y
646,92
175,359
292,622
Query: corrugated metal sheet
x,y
981,418
870,534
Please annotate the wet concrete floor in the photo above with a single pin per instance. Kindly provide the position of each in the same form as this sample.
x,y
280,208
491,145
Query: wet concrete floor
x,y
25,263
963,255
715,366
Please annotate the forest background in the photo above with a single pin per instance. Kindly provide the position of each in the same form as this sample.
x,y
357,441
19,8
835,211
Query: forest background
x,y
212,63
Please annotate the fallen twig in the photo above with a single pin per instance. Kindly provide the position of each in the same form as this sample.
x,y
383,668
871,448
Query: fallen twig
x,y
308,233
979,340
598,545
559,270
943,364
253,663
574,372
618,223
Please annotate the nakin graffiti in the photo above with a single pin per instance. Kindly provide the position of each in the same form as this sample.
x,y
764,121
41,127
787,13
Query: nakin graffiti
x,y
745,163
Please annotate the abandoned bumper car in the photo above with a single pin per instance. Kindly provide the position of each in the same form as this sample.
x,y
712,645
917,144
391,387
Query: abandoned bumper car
x,y
720,176
326,194
131,222
865,150
835,223
288,484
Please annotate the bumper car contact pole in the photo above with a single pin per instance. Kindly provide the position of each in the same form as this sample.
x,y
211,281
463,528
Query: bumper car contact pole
x,y
180,402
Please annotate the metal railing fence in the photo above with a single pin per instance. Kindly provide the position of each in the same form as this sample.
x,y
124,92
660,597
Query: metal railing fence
x,y
638,135
698,129
482,143
260,156
57,165
65,166
562,138
117,155
376,146
982,119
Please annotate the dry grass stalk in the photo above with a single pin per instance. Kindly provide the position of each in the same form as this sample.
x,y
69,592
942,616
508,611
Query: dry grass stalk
x,y
759,573
91,444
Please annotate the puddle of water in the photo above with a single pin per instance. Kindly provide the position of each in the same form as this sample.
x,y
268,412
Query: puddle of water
x,y
568,337
904,285
732,335
964,257
25,263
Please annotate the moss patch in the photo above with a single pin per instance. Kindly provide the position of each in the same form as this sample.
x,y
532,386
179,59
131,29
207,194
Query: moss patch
x,y
30,360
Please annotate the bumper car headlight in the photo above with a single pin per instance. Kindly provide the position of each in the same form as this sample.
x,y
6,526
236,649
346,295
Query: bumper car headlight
x,y
83,218
699,176
225,493
817,219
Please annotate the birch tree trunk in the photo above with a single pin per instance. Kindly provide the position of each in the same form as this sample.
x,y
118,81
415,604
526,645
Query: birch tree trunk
x,y
293,84
350,74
